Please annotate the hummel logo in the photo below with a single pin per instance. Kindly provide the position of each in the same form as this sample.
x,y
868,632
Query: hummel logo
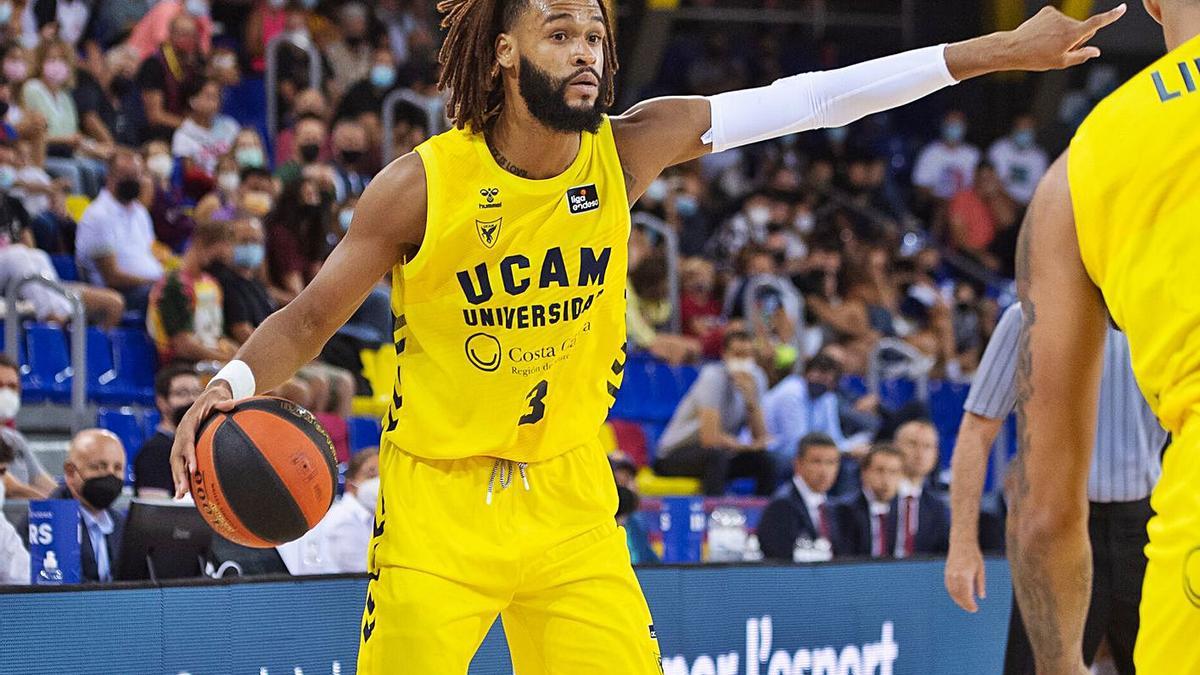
x,y
489,197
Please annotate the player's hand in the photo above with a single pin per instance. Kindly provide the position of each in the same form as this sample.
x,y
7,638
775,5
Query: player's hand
x,y
183,451
1051,40
965,575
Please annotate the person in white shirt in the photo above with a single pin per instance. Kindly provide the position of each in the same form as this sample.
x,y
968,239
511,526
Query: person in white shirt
x,y
204,136
113,243
923,520
1019,160
339,542
947,165
14,559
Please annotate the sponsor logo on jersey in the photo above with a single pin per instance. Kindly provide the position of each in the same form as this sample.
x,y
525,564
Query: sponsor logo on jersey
x,y
583,199
488,231
484,352
489,196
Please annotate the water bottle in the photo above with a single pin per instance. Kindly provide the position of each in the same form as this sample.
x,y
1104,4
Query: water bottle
x,y
726,534
50,572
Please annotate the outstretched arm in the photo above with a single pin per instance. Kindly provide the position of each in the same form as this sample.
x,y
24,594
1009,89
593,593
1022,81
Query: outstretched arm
x,y
1058,380
662,132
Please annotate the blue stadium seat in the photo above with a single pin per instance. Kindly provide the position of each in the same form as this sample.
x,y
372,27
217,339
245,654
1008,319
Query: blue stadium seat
x,y
364,432
65,266
634,397
150,419
946,401
135,360
49,376
653,431
101,374
895,394
740,486
125,424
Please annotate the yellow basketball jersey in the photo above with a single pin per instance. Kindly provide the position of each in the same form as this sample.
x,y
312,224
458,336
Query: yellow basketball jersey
x,y
1134,169
510,320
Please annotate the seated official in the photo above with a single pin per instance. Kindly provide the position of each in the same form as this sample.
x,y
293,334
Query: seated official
x,y
799,509
865,521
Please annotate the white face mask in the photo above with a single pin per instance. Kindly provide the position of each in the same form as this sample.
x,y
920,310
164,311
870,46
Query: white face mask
x,y
161,165
759,215
229,182
743,365
368,493
10,404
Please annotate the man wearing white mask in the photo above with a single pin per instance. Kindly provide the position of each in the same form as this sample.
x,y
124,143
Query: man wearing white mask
x,y
14,559
346,529
1019,160
24,478
702,438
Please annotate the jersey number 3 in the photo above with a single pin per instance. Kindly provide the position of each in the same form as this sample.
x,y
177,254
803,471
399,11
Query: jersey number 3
x,y
537,404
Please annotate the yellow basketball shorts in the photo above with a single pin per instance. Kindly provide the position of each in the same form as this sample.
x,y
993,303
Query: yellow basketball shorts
x,y
545,555
1170,611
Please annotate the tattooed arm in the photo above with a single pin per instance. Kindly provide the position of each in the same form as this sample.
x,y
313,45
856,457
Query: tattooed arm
x,y
1058,381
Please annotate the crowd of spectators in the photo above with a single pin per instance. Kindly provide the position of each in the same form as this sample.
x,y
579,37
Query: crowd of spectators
x,y
125,145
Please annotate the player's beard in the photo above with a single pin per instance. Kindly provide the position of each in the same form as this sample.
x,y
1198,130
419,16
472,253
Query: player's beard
x,y
546,98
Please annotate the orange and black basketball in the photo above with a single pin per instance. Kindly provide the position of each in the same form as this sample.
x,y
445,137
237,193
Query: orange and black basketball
x,y
266,472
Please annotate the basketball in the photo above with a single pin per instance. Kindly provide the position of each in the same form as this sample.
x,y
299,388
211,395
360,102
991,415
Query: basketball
x,y
266,472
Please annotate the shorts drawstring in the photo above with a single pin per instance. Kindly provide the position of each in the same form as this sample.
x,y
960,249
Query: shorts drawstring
x,y
503,469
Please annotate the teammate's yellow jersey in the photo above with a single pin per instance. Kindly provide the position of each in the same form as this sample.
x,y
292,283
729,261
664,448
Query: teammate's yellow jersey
x,y
510,320
1134,169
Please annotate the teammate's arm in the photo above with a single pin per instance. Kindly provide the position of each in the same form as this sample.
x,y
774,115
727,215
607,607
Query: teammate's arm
x,y
1058,381
389,223
658,133
964,562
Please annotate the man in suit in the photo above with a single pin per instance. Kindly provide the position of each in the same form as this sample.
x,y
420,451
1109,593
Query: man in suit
x,y
923,518
865,521
95,473
798,509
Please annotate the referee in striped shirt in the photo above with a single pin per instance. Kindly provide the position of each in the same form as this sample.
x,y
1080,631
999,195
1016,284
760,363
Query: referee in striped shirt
x,y
1126,463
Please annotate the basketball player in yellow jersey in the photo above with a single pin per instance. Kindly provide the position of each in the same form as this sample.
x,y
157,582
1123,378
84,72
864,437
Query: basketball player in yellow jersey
x,y
1112,232
506,238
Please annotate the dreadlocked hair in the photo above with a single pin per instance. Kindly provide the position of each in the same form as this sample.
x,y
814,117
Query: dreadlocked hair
x,y
468,57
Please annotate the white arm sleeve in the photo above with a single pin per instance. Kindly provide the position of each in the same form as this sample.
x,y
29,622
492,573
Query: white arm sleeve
x,y
829,98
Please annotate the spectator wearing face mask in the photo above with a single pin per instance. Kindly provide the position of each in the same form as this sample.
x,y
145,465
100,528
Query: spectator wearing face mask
x,y
69,153
203,138
349,57
248,150
173,223
800,405
947,165
221,202
364,99
296,237
113,244
349,153
14,559
699,308
168,67
347,528
308,103
25,478
186,316
175,389
108,113
94,475
311,136
701,440
1019,160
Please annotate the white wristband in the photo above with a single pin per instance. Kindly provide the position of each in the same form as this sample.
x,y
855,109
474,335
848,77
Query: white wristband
x,y
239,377
830,98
